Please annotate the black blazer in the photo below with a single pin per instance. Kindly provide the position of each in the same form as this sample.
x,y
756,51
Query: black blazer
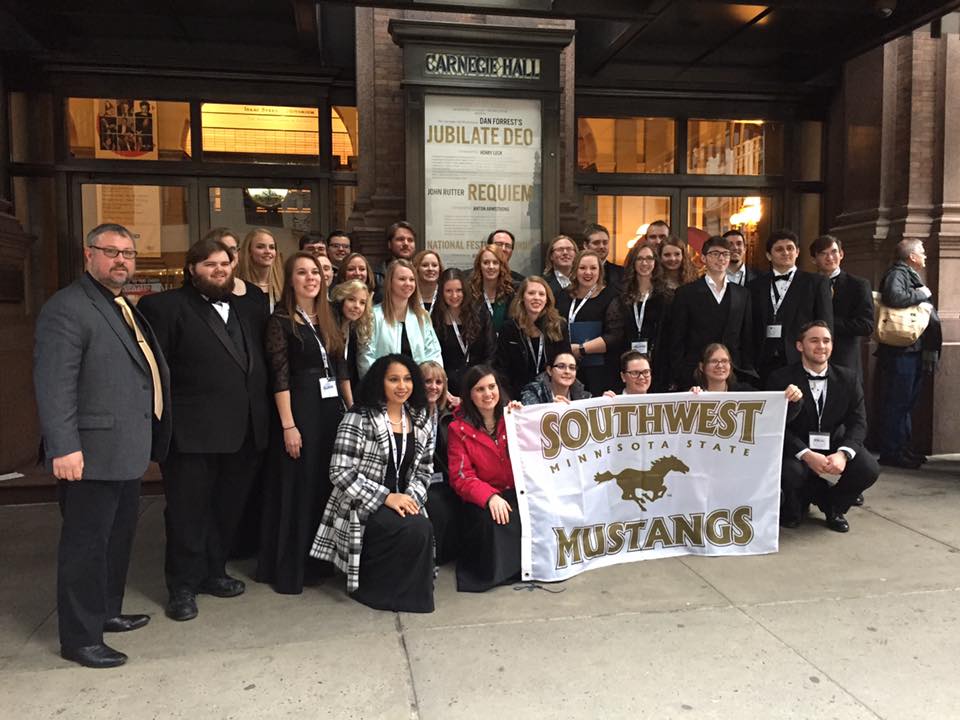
x,y
216,398
750,275
513,361
694,325
844,416
613,276
807,299
852,319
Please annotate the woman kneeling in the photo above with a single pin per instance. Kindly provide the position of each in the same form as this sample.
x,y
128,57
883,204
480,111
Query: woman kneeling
x,y
374,527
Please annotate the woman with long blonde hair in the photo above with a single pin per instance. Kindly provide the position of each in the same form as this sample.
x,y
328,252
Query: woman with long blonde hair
x,y
260,263
353,307
491,284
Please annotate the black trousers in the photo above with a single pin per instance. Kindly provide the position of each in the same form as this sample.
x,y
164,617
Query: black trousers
x,y
206,495
801,486
99,522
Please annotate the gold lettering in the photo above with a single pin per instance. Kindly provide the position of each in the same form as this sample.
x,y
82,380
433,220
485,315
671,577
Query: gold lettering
x,y
688,530
549,435
742,525
658,533
568,546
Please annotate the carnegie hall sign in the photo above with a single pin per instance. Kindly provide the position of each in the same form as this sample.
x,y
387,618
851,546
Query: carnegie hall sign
x,y
481,66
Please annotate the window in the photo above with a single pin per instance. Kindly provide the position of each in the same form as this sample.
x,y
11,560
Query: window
x,y
128,129
626,145
285,212
713,215
260,133
734,147
345,142
626,217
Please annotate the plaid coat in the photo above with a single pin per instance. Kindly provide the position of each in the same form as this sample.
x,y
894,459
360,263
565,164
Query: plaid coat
x,y
359,465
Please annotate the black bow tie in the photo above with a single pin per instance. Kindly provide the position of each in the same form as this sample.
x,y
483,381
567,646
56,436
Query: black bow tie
x,y
224,301
816,377
783,278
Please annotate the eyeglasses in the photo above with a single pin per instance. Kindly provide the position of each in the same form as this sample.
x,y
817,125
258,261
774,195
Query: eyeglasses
x,y
112,252
504,245
646,259
564,366
338,246
718,362
719,254
637,374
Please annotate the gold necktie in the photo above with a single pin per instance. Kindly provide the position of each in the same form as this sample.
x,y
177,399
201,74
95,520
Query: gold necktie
x,y
147,353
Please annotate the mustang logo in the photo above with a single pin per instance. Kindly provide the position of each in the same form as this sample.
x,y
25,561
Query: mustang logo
x,y
648,482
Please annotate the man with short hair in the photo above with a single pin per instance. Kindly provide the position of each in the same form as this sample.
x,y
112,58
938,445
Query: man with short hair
x,y
902,368
339,245
824,461
597,238
784,300
214,346
657,232
103,400
313,243
506,242
852,303
739,273
711,310
401,244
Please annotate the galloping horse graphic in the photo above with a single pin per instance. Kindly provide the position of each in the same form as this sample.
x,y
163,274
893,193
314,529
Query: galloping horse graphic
x,y
649,482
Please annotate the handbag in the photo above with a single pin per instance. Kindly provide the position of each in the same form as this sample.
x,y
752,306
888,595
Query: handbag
x,y
899,327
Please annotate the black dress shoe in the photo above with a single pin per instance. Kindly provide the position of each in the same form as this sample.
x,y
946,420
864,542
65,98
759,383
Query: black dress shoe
x,y
94,656
223,587
125,623
182,605
912,455
837,522
859,500
900,461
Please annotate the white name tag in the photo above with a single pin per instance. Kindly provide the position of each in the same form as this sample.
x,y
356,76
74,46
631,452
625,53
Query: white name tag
x,y
819,441
640,346
328,388
436,478
774,331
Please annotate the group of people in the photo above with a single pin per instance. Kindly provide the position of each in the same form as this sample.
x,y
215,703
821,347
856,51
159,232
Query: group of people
x,y
327,415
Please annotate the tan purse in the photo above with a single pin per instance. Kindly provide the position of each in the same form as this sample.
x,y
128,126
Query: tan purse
x,y
899,327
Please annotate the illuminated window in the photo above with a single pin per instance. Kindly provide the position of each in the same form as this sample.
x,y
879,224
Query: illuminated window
x,y
345,141
128,129
260,133
734,147
626,217
625,145
286,212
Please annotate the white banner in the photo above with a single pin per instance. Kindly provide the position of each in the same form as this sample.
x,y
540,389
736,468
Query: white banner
x,y
607,481
482,172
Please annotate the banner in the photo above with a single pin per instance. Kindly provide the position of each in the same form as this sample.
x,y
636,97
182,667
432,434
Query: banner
x,y
612,480
482,172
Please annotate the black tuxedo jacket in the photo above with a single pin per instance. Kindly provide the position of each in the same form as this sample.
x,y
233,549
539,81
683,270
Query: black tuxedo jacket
x,y
852,319
807,299
693,325
844,416
217,398
750,275
613,276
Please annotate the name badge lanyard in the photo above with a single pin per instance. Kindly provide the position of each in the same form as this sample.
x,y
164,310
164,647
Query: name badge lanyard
x,y
397,459
638,316
323,350
434,426
489,303
777,298
461,342
539,354
433,300
821,401
575,309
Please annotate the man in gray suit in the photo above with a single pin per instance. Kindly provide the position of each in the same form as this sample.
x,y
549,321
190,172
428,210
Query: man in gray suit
x,y
102,386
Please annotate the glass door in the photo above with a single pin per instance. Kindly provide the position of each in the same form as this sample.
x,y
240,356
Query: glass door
x,y
627,217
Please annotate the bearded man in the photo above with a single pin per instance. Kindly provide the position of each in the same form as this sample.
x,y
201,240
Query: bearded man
x,y
214,347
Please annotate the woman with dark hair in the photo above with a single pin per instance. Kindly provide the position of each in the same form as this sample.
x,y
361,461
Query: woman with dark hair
x,y
678,268
595,322
491,284
305,352
643,306
374,527
352,306
715,374
534,332
481,475
558,383
444,507
465,331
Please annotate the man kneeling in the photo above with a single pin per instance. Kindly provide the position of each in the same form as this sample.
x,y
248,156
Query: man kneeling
x,y
824,461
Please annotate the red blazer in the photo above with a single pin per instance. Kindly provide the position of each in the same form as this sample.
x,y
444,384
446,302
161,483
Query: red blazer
x,y
479,468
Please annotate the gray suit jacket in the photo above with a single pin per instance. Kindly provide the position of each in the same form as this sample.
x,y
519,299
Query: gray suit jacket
x,y
93,386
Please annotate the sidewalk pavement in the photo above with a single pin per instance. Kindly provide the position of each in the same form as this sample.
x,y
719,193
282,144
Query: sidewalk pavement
x,y
863,625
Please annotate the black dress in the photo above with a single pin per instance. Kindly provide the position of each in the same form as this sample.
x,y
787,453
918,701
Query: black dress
x,y
653,321
396,562
491,552
600,308
296,491
479,351
444,506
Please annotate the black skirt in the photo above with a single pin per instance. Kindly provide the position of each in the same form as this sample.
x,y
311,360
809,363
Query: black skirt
x,y
396,563
490,553
445,509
